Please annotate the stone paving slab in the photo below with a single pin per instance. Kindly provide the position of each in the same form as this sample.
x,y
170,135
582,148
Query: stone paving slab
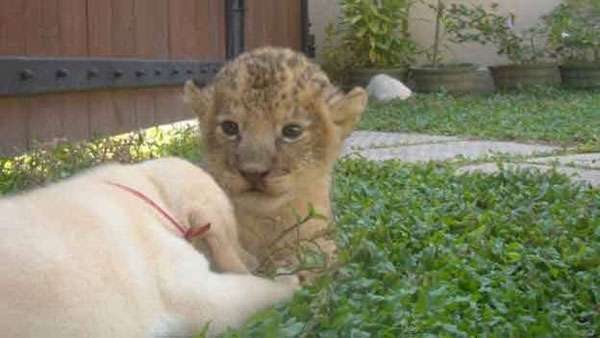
x,y
580,160
446,151
591,177
373,139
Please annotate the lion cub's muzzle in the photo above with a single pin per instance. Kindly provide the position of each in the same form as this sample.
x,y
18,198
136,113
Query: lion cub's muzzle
x,y
255,178
254,162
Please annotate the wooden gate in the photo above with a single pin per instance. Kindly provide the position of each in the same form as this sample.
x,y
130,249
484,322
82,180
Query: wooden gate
x,y
160,31
275,23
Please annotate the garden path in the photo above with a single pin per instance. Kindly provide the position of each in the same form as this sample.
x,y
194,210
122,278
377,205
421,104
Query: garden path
x,y
413,148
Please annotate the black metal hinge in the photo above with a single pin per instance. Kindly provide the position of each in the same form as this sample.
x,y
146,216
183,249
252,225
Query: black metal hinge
x,y
28,75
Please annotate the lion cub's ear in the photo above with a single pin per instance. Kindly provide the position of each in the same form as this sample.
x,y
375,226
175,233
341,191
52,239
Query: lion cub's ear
x,y
199,99
347,109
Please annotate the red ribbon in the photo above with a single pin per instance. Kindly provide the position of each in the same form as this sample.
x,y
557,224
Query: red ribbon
x,y
188,234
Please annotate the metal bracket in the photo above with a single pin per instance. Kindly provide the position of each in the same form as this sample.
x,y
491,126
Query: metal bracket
x,y
28,75
235,12
308,39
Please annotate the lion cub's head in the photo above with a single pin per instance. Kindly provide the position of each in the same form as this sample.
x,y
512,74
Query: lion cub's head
x,y
272,119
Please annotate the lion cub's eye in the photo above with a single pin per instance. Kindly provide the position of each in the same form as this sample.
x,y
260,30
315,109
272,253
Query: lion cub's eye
x,y
230,128
292,131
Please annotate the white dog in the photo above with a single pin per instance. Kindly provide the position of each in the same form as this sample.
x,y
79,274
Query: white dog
x,y
91,257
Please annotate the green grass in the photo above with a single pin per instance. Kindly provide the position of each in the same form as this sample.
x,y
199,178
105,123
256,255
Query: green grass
x,y
429,253
425,252
45,165
565,117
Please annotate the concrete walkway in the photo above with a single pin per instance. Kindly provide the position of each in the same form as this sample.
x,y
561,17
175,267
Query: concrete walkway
x,y
410,147
413,148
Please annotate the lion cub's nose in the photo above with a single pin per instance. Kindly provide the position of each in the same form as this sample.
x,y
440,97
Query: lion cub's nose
x,y
254,175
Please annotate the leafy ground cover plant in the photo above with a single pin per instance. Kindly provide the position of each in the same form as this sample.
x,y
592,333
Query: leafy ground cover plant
x,y
565,117
423,251
44,165
428,253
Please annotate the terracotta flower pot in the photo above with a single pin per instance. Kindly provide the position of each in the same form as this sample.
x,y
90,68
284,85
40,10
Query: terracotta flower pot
x,y
515,76
581,75
461,78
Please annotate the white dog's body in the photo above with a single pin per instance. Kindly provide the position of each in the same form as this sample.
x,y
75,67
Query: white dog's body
x,y
83,258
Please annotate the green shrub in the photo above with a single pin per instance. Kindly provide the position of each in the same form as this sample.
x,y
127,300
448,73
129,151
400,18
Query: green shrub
x,y
368,33
574,30
476,23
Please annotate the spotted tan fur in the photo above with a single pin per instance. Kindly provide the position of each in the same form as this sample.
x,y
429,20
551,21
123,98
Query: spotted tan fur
x,y
266,174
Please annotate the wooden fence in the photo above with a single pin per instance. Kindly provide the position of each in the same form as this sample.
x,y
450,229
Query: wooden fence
x,y
141,29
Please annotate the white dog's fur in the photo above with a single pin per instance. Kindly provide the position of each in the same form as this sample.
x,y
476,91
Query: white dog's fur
x,y
83,258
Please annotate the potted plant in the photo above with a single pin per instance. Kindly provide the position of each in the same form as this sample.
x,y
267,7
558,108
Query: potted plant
x,y
370,37
525,49
435,76
575,39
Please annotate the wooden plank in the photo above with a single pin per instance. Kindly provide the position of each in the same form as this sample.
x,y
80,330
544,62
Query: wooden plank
x,y
123,40
13,126
217,30
170,106
152,29
182,22
203,30
43,119
145,107
112,112
253,33
73,27
99,29
294,25
223,30
75,117
274,23
102,118
112,33
74,43
262,17
280,22
259,30
41,27
46,123
12,34
123,104
197,29
164,111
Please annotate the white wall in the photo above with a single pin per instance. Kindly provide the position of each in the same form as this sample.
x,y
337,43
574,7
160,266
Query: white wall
x,y
322,12
422,28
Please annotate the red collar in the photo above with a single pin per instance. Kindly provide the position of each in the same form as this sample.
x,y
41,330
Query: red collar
x,y
188,234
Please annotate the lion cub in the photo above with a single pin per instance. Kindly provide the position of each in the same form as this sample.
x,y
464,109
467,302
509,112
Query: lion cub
x,y
84,258
273,126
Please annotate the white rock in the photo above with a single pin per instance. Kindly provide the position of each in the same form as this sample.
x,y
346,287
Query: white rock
x,y
385,88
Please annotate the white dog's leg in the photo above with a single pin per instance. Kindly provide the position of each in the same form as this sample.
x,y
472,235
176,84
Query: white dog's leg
x,y
240,296
223,299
